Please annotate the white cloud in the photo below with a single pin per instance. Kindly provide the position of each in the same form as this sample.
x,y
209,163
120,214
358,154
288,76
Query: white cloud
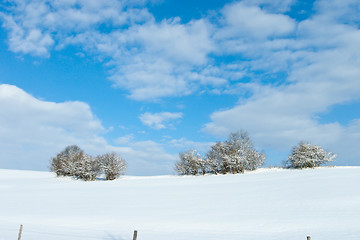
x,y
343,11
161,59
32,131
159,120
248,21
274,127
149,59
185,43
36,26
347,146
322,71
184,144
124,139
273,6
31,41
277,117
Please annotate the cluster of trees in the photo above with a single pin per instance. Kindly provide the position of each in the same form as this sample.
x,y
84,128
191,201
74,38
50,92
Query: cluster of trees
x,y
234,155
238,154
72,161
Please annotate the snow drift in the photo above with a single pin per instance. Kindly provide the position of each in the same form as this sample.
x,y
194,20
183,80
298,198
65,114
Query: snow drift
x,y
262,205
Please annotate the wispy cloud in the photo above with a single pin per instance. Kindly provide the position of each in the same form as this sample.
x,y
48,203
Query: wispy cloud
x,y
149,59
159,120
35,27
279,6
251,22
154,60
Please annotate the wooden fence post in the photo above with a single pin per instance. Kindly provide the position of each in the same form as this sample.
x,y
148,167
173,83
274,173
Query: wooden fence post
x,y
135,235
308,238
20,231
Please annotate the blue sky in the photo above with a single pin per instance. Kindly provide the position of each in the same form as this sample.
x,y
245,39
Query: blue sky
x,y
149,79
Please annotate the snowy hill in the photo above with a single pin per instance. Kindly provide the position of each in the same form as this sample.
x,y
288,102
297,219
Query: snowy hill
x,y
267,204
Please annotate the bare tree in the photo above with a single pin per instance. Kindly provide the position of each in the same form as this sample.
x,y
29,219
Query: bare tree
x,y
307,155
112,164
216,159
87,168
72,161
190,163
64,164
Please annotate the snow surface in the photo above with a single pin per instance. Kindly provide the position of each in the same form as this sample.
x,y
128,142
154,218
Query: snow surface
x,y
263,205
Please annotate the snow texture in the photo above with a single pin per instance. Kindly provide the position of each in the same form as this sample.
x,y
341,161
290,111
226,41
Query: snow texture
x,y
267,204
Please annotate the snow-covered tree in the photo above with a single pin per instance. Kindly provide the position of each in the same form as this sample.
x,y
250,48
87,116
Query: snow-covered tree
x,y
64,164
216,159
72,161
112,164
190,163
235,155
87,168
307,155
202,164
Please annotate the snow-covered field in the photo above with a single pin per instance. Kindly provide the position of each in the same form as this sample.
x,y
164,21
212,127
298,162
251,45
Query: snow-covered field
x,y
263,205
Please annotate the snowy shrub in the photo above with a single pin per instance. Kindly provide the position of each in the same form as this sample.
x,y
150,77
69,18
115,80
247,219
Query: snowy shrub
x,y
307,155
56,165
235,155
112,164
72,161
87,168
216,160
190,163
64,164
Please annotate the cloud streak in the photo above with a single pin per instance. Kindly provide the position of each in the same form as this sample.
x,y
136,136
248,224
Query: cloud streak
x,y
159,120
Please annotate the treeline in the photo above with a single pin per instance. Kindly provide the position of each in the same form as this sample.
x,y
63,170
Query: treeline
x,y
72,161
237,154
